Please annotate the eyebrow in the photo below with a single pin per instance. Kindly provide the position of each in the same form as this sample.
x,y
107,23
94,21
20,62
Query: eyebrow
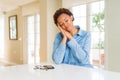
x,y
62,22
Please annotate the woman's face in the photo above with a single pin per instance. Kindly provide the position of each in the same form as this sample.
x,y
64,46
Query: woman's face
x,y
65,22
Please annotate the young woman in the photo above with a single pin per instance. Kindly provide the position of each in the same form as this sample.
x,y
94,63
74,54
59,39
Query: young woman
x,y
72,44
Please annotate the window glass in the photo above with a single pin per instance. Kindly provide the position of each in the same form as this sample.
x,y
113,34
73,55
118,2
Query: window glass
x,y
90,16
33,39
79,13
2,36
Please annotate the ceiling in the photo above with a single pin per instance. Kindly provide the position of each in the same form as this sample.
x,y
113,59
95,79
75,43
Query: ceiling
x,y
6,5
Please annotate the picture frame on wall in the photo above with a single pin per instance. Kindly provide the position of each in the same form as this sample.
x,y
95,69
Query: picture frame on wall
x,y
13,32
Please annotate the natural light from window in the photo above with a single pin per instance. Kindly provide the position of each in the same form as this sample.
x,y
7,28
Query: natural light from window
x,y
90,17
33,41
2,36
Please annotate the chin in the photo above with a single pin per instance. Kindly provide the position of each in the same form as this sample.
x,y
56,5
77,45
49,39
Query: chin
x,y
68,29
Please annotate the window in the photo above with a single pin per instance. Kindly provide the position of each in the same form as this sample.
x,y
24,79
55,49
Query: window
x,y
2,36
90,17
33,39
79,13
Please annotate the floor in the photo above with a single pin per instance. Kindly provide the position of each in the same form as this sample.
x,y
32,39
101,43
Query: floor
x,y
5,63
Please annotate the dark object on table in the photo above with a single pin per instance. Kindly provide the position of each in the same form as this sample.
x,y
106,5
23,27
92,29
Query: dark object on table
x,y
44,67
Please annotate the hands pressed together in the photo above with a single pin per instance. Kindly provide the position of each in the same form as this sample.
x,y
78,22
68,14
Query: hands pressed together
x,y
66,35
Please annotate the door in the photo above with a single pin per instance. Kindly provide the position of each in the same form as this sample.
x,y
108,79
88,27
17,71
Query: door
x,y
33,39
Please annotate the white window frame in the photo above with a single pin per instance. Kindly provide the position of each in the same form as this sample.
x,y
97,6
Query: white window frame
x,y
88,28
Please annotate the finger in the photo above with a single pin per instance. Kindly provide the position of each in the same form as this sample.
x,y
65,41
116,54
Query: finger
x,y
60,28
68,35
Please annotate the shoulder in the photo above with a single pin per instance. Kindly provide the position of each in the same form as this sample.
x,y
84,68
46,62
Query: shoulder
x,y
58,35
84,33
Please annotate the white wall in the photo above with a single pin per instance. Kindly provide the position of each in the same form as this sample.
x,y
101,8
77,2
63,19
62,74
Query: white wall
x,y
31,8
15,49
70,3
51,27
112,36
47,28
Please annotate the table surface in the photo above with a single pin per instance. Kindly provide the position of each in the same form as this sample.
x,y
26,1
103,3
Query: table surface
x,y
61,72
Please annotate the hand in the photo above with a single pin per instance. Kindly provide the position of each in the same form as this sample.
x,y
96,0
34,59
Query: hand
x,y
68,35
63,33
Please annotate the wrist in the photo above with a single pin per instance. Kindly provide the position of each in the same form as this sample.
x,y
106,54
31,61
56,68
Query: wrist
x,y
70,38
64,40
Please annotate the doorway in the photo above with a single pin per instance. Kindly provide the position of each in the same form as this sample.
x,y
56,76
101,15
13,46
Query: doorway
x,y
2,36
33,39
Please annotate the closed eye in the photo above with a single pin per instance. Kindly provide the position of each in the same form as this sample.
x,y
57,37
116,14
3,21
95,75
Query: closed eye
x,y
66,20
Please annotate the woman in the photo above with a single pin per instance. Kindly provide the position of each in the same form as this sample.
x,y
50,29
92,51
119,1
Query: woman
x,y
72,44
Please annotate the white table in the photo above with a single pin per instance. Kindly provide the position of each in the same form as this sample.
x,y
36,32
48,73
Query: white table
x,y
61,72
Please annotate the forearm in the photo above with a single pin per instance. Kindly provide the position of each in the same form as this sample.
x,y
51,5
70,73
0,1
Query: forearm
x,y
64,40
58,53
80,53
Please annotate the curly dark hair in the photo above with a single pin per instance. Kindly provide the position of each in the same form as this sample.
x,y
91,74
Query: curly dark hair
x,y
61,11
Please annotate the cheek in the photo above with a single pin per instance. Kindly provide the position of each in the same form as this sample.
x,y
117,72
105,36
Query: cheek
x,y
63,27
